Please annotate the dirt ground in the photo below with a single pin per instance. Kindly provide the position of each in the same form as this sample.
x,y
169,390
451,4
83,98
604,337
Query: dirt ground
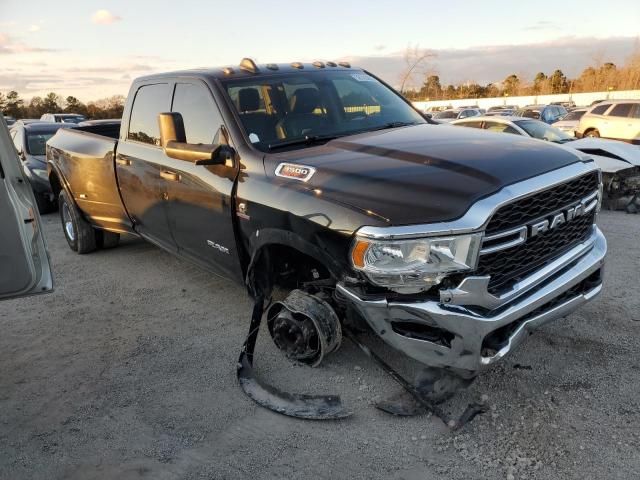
x,y
127,371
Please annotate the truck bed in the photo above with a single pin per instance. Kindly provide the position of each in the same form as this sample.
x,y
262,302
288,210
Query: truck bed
x,y
85,163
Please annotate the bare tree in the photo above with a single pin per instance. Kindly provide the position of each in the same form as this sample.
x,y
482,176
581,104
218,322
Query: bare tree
x,y
415,61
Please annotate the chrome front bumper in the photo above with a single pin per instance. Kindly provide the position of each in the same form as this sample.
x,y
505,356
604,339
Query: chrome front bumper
x,y
467,327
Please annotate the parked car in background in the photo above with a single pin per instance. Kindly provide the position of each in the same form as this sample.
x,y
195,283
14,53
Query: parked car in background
x,y
615,119
456,113
502,107
619,162
620,165
27,121
569,104
546,113
10,121
62,118
504,112
30,141
527,127
570,121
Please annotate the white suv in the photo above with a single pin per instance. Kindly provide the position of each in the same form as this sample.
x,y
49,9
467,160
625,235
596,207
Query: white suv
x,y
616,119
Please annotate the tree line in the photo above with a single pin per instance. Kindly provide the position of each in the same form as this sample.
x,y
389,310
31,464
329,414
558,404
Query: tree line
x,y
604,76
11,104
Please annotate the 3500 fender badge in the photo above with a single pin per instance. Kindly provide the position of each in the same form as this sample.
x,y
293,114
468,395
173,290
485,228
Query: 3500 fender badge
x,y
295,171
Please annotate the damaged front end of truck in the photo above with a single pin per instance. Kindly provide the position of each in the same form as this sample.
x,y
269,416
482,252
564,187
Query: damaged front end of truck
x,y
454,296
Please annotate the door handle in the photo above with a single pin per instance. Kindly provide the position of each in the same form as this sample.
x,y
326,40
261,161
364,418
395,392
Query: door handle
x,y
125,162
172,176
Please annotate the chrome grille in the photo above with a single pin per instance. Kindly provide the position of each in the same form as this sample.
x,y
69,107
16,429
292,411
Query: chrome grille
x,y
543,203
511,264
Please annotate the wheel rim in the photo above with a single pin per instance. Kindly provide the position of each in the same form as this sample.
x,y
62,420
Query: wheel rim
x,y
68,224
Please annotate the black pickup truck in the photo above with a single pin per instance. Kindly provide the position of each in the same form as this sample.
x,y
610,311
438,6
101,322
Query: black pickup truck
x,y
319,182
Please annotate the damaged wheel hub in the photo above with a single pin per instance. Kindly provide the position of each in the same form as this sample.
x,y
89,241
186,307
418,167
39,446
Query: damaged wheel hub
x,y
305,327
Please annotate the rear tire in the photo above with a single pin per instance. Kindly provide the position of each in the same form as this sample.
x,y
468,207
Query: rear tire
x,y
592,133
79,234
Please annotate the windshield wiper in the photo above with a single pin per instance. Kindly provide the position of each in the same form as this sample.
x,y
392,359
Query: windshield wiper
x,y
306,140
389,125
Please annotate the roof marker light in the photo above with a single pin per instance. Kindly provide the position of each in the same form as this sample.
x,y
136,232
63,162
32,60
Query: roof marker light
x,y
248,65
297,65
344,64
332,64
318,64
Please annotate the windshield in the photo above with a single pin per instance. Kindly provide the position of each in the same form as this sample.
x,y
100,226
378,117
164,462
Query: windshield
x,y
529,114
448,114
279,109
574,115
542,131
37,143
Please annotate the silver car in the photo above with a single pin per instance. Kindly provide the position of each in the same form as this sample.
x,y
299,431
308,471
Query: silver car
x,y
455,114
527,127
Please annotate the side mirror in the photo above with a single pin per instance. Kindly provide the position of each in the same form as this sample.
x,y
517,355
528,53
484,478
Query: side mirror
x,y
173,140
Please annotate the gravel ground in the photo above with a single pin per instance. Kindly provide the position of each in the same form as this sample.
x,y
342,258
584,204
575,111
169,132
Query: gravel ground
x,y
128,371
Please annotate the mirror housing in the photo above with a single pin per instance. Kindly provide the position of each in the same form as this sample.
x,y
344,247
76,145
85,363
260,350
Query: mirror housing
x,y
173,140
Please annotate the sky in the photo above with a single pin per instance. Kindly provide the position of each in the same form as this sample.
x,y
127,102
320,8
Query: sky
x,y
94,48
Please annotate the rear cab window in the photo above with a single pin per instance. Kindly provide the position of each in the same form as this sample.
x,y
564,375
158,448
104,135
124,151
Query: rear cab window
x,y
150,100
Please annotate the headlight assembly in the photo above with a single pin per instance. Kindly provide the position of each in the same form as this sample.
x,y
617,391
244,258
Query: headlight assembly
x,y
415,264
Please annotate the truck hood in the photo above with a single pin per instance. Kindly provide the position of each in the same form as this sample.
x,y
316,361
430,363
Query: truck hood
x,y
422,173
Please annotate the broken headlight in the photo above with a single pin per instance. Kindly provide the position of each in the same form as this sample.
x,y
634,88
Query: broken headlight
x,y
415,264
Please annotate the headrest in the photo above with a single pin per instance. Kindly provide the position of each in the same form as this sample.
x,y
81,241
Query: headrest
x,y
248,100
304,100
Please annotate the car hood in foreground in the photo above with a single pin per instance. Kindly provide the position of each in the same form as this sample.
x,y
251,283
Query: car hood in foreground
x,y
421,174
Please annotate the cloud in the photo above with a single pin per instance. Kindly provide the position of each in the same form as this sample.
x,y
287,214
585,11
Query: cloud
x,y
9,45
34,28
105,17
544,25
379,48
490,64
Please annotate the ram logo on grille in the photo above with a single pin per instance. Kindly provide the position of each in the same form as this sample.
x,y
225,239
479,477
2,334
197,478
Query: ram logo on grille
x,y
558,219
517,236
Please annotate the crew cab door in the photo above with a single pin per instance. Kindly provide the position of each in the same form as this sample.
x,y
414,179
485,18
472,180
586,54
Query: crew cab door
x,y
140,165
24,263
199,198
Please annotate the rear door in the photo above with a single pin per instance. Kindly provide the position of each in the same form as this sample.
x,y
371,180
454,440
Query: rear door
x,y
139,165
199,198
620,124
24,262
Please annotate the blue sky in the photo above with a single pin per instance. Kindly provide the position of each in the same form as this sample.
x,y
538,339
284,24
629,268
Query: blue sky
x,y
63,46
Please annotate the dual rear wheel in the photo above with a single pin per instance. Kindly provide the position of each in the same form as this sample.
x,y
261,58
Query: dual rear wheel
x,y
80,235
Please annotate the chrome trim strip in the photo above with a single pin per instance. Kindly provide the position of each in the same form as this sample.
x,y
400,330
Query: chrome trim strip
x,y
473,291
522,231
477,217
